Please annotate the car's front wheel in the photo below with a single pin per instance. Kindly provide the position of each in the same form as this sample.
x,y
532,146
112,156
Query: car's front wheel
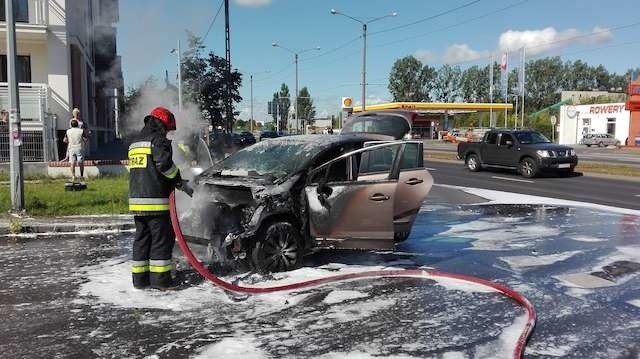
x,y
588,145
473,163
401,236
600,144
528,167
279,249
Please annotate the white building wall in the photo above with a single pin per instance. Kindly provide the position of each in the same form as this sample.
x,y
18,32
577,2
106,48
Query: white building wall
x,y
576,121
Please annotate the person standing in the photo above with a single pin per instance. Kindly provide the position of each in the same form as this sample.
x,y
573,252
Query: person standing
x,y
75,139
153,176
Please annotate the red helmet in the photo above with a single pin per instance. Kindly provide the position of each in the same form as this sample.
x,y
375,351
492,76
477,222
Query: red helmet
x,y
165,116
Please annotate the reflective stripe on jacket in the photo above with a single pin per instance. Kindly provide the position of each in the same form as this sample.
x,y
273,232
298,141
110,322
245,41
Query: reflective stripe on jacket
x,y
152,174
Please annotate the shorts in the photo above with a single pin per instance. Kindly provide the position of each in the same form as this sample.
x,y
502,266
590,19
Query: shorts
x,y
76,154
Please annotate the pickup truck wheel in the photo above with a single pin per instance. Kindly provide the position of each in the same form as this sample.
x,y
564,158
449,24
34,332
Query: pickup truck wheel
x,y
279,249
473,163
600,144
588,145
528,167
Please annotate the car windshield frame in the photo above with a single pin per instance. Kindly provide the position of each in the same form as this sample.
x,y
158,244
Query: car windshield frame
x,y
533,141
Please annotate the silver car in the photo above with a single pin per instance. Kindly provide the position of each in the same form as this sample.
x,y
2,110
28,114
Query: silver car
x,y
600,140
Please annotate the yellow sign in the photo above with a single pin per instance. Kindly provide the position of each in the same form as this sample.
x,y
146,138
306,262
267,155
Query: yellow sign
x,y
347,103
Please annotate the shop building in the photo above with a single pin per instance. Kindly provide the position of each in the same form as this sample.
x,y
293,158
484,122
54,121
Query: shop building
x,y
578,121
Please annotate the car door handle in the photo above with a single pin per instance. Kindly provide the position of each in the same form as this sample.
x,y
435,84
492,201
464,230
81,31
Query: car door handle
x,y
414,181
379,197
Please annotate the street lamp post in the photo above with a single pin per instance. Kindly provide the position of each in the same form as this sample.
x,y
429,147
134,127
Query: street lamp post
x,y
295,58
364,47
251,87
177,50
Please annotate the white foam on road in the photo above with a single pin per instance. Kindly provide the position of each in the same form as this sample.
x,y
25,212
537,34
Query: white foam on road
x,y
338,296
634,302
240,346
500,197
520,262
503,347
584,238
362,354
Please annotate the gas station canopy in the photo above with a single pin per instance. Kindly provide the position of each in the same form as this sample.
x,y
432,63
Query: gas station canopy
x,y
438,106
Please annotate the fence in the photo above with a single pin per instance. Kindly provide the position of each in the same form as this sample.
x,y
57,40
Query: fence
x,y
32,145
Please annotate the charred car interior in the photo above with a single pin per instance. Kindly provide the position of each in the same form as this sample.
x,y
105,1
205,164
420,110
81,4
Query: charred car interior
x,y
268,204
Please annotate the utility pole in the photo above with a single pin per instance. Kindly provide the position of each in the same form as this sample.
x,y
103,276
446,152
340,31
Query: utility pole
x,y
295,100
364,65
179,52
251,118
15,136
364,47
228,110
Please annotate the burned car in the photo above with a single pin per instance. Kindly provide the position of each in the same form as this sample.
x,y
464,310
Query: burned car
x,y
270,203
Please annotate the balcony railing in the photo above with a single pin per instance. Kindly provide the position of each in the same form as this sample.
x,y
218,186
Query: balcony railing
x,y
38,135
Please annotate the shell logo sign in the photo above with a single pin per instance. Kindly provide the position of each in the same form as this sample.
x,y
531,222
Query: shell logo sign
x,y
347,104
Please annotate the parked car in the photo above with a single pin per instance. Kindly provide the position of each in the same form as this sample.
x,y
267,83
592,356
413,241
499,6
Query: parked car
x,y
600,140
529,152
270,203
268,134
247,138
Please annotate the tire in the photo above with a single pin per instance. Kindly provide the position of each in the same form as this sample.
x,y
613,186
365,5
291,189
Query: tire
x,y
528,167
279,249
588,145
473,163
600,144
401,236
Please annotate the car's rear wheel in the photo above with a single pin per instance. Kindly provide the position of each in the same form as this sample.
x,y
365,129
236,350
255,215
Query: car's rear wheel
x,y
401,236
473,163
588,145
279,249
600,144
528,167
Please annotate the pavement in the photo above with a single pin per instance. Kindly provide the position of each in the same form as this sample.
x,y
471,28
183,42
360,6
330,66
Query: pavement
x,y
70,296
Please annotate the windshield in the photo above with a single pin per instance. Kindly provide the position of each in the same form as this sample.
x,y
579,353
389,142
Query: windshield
x,y
530,138
272,158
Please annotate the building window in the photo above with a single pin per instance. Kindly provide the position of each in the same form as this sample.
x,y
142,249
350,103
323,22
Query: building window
x,y
611,126
23,68
586,126
21,11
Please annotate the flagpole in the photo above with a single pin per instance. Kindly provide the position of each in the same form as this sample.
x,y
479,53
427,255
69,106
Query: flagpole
x,y
491,91
506,86
524,80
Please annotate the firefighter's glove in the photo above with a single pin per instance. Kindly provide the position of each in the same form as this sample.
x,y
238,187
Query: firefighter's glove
x,y
185,187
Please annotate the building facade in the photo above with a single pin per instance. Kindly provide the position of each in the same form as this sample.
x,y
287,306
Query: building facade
x,y
67,58
578,121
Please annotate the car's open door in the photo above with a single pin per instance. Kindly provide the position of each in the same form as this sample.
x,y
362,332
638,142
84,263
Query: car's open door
x,y
352,197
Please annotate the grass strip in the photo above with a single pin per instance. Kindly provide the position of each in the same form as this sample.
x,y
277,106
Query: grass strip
x,y
47,197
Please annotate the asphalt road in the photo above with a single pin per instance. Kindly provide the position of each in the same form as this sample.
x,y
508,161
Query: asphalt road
x,y
618,193
593,154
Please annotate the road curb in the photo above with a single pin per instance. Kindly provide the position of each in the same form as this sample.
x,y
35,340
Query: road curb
x,y
75,224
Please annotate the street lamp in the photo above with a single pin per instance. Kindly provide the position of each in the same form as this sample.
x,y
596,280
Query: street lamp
x,y
364,47
174,51
295,57
251,87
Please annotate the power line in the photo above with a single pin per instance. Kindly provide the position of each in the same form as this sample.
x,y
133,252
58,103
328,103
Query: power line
x,y
427,18
333,49
213,21
464,22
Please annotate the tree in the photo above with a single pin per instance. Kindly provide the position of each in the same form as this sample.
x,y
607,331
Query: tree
x,y
545,80
409,81
306,110
446,87
205,81
474,84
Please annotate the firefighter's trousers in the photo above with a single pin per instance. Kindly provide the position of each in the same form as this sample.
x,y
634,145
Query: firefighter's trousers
x,y
152,250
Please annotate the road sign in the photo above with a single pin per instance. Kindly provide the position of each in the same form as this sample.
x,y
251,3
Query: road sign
x,y
347,104
554,120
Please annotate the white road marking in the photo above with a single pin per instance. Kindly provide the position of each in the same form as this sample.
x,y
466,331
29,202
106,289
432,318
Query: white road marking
x,y
512,179
430,169
638,195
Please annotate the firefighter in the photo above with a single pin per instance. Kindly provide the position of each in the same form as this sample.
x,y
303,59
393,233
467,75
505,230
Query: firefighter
x,y
153,176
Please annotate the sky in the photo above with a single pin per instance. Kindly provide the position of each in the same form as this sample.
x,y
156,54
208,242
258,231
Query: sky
x,y
460,32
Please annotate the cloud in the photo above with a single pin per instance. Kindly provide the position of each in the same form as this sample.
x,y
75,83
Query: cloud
x,y
254,3
425,56
538,41
458,53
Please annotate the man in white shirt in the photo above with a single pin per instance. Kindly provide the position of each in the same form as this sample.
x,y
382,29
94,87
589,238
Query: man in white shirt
x,y
75,138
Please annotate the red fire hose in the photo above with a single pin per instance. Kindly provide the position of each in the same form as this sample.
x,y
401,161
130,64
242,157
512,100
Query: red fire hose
x,y
423,273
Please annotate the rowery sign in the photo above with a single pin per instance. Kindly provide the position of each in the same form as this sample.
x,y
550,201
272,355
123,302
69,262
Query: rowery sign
x,y
606,109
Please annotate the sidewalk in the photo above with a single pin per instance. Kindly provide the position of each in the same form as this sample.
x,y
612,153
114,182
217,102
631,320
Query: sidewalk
x,y
70,224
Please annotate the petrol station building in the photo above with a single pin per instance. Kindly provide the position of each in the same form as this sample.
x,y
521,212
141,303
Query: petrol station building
x,y
435,116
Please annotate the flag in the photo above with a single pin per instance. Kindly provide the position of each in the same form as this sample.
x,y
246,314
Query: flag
x,y
504,72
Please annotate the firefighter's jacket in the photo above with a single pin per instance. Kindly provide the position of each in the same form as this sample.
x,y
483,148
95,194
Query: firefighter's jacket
x,y
152,173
